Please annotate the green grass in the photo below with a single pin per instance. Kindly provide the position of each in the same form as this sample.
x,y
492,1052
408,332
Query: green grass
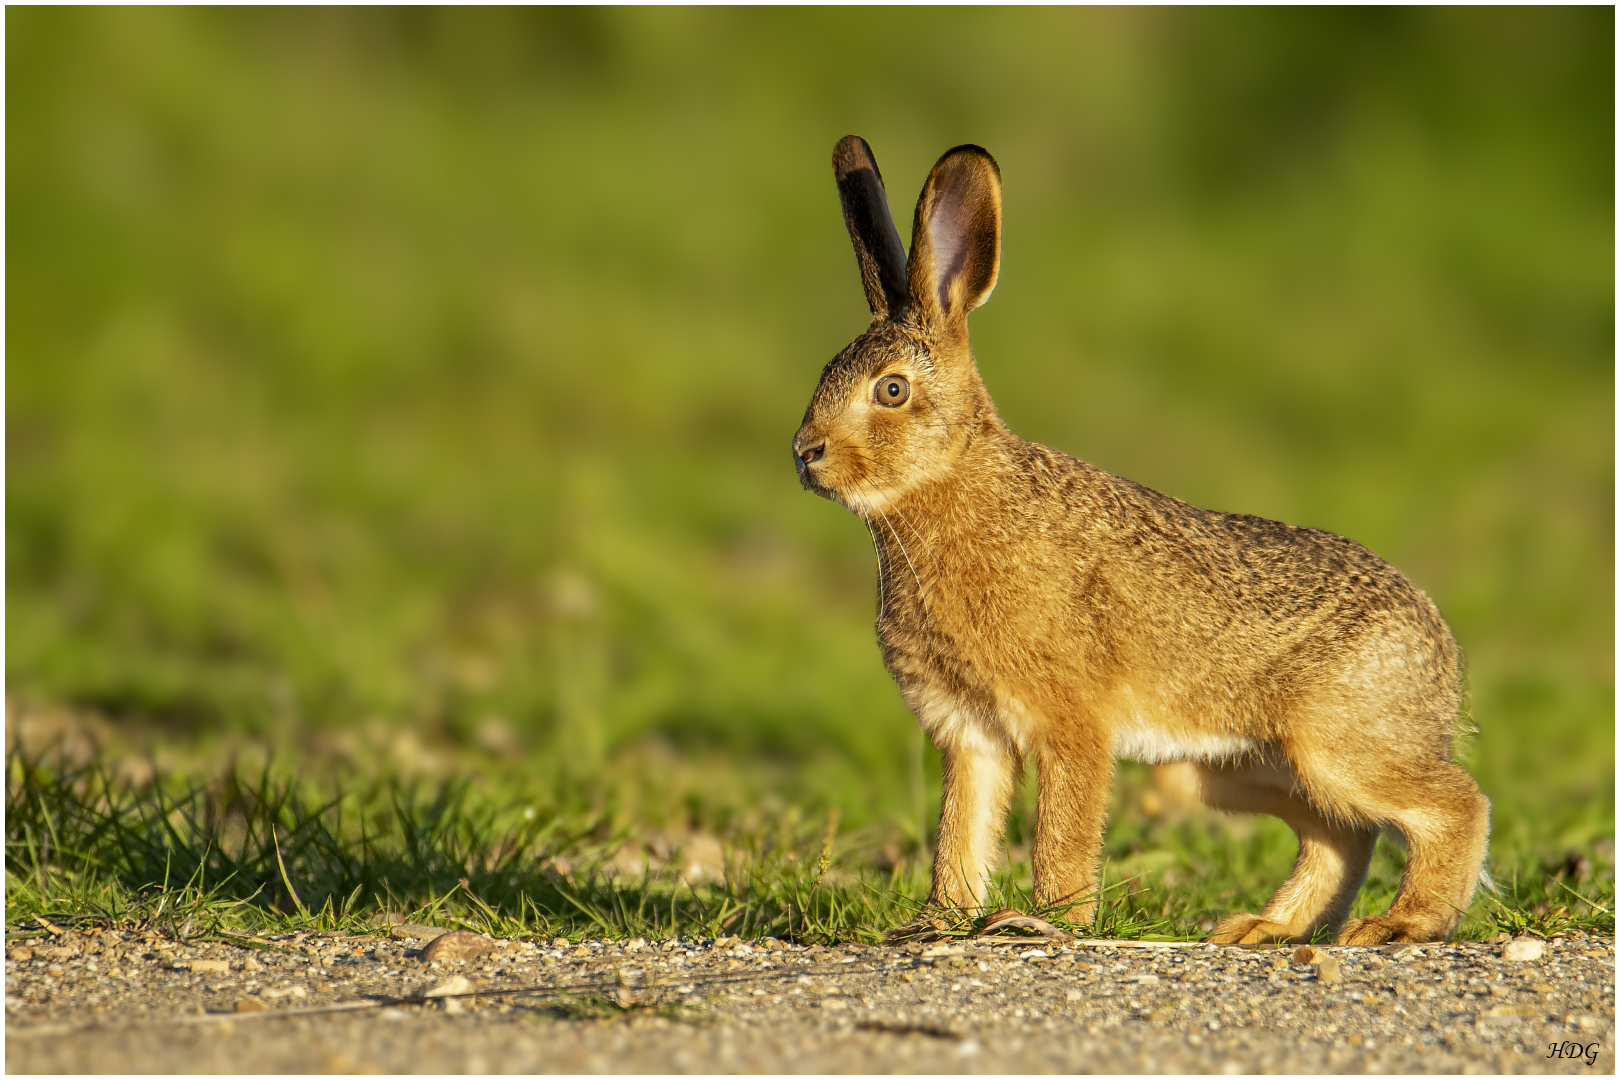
x,y
242,854
406,396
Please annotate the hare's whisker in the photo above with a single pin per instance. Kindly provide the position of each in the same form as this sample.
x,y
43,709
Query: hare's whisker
x,y
878,551
922,592
938,568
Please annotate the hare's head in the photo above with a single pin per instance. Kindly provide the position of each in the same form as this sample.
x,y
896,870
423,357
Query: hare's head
x,y
903,402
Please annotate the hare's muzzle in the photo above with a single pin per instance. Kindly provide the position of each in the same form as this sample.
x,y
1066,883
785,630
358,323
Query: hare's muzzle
x,y
809,448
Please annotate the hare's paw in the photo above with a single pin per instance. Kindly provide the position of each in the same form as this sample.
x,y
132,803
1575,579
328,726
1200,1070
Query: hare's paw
x,y
1246,929
1380,929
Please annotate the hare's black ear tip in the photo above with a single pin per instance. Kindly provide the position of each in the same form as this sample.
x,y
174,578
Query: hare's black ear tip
x,y
851,155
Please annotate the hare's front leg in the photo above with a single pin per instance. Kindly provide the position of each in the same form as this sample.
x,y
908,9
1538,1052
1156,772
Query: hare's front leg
x,y
1070,809
979,780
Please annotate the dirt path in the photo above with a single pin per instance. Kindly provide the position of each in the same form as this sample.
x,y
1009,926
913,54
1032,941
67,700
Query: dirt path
x,y
105,1003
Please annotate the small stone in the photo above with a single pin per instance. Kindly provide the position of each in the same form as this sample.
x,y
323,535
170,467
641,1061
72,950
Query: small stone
x,y
20,953
457,945
1523,949
635,944
560,943
250,1005
1327,969
1306,955
455,984
417,931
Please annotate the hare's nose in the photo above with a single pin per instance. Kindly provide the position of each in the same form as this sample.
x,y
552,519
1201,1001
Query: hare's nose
x,y
809,446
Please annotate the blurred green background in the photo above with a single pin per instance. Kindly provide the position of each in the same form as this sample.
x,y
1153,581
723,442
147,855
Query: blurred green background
x,y
425,378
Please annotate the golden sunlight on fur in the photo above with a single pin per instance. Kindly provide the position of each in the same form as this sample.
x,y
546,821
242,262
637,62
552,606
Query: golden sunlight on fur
x,y
1034,608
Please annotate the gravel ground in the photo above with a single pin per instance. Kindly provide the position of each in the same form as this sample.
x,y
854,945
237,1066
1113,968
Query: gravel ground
x,y
326,1003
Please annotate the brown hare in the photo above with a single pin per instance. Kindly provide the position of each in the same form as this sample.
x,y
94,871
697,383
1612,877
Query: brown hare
x,y
1034,608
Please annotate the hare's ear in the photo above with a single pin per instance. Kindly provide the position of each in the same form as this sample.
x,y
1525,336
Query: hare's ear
x,y
871,229
956,237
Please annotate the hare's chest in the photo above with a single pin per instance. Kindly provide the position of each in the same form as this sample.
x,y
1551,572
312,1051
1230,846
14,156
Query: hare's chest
x,y
972,722
984,663
960,703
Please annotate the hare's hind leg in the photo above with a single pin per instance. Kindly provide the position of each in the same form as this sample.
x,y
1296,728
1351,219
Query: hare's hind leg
x,y
1328,871
1445,821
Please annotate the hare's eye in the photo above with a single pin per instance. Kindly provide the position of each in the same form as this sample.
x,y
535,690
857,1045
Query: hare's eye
x,y
892,390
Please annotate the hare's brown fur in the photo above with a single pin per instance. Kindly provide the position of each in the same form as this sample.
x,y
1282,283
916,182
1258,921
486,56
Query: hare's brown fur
x,y
1036,609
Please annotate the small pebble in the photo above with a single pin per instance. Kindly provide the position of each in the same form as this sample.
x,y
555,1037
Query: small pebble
x,y
455,984
1525,948
457,945
250,1005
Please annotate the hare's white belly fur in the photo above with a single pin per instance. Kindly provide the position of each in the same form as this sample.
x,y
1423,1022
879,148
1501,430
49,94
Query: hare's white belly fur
x,y
1014,726
1155,746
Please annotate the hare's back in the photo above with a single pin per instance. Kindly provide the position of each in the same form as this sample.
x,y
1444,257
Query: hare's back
x,y
1242,571
1239,617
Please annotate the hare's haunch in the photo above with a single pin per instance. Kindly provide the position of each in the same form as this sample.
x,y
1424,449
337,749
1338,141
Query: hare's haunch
x,y
1034,608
